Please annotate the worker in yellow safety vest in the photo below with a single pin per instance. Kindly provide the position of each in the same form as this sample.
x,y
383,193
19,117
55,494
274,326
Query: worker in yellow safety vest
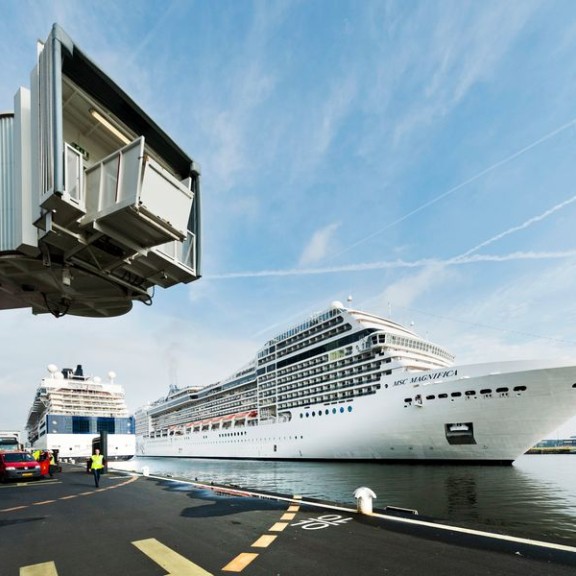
x,y
97,465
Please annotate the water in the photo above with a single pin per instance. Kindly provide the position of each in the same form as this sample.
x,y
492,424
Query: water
x,y
534,498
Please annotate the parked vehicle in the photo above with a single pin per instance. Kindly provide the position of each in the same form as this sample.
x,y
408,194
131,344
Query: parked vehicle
x,y
18,465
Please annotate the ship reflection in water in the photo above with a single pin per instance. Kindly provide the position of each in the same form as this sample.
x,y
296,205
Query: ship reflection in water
x,y
534,498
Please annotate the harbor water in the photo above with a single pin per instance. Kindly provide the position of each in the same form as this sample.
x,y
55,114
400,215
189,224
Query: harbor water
x,y
534,498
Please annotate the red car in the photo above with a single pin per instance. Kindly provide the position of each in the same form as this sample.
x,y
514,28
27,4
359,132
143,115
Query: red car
x,y
18,465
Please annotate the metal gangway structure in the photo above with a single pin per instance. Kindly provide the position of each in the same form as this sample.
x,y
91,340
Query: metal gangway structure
x,y
98,205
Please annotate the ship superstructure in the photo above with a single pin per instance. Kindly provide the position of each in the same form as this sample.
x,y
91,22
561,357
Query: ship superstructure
x,y
348,385
70,409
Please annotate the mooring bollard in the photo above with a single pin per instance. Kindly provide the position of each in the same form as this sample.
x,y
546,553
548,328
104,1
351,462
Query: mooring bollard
x,y
145,471
364,497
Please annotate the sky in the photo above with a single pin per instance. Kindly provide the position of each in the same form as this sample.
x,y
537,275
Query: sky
x,y
418,157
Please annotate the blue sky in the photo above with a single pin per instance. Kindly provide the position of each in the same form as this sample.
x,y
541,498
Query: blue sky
x,y
418,156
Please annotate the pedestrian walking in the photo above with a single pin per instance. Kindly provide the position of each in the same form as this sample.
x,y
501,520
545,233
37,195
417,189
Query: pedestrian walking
x,y
97,465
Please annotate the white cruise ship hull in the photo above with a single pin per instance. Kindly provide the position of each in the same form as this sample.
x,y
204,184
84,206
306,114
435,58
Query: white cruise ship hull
x,y
485,413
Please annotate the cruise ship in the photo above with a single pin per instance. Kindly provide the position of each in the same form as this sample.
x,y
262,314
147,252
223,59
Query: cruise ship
x,y
349,385
70,409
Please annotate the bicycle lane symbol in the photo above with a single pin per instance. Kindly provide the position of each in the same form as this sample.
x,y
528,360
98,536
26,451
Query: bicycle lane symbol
x,y
322,522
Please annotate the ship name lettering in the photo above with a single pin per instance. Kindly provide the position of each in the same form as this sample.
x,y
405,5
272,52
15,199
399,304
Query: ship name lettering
x,y
434,376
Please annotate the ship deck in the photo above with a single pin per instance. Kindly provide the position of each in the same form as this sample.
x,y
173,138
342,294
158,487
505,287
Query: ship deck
x,y
152,526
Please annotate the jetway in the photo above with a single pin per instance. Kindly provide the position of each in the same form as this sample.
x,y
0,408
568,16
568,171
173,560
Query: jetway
x,y
98,205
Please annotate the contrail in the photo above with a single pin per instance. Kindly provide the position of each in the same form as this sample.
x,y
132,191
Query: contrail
x,y
462,184
397,264
522,226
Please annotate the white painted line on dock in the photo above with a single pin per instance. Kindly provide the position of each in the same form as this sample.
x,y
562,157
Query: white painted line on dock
x,y
44,569
299,500
174,563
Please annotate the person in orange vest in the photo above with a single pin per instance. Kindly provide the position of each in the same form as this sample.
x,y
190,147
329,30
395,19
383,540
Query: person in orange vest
x,y
97,465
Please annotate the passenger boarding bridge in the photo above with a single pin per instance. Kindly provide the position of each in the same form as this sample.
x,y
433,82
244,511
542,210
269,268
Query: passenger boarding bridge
x,y
98,206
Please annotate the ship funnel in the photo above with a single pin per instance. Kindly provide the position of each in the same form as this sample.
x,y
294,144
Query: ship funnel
x,y
79,371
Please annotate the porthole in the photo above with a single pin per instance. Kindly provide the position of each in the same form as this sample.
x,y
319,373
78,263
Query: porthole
x,y
456,394
430,397
349,408
341,409
519,388
501,390
442,395
486,391
470,392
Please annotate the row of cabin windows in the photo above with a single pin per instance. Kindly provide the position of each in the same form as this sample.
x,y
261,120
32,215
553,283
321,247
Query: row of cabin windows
x,y
304,389
333,397
326,373
314,334
326,412
313,329
468,393
317,338
285,337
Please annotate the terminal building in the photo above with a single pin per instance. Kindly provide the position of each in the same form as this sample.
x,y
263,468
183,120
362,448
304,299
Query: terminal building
x,y
98,205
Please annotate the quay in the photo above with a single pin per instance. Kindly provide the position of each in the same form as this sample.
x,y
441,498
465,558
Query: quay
x,y
135,525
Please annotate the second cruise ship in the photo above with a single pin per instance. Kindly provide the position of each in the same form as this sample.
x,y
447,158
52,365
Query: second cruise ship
x,y
70,409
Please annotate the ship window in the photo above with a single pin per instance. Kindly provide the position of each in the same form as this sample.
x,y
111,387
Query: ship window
x,y
349,408
430,397
80,425
408,400
470,392
519,388
501,390
486,391
456,394
341,409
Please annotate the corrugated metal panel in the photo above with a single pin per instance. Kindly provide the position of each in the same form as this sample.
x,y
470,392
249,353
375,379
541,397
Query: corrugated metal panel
x,y
6,182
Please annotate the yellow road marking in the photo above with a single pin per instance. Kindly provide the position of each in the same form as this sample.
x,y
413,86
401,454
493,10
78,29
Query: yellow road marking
x,y
240,562
288,516
278,527
293,508
174,563
44,502
44,569
264,541
68,497
12,509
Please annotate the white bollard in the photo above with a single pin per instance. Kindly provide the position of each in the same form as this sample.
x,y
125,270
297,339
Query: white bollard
x,y
364,497
145,471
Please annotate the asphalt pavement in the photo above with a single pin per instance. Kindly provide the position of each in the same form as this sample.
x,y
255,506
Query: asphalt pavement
x,y
137,525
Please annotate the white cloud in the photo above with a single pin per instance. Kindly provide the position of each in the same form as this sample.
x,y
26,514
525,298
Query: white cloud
x,y
319,245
